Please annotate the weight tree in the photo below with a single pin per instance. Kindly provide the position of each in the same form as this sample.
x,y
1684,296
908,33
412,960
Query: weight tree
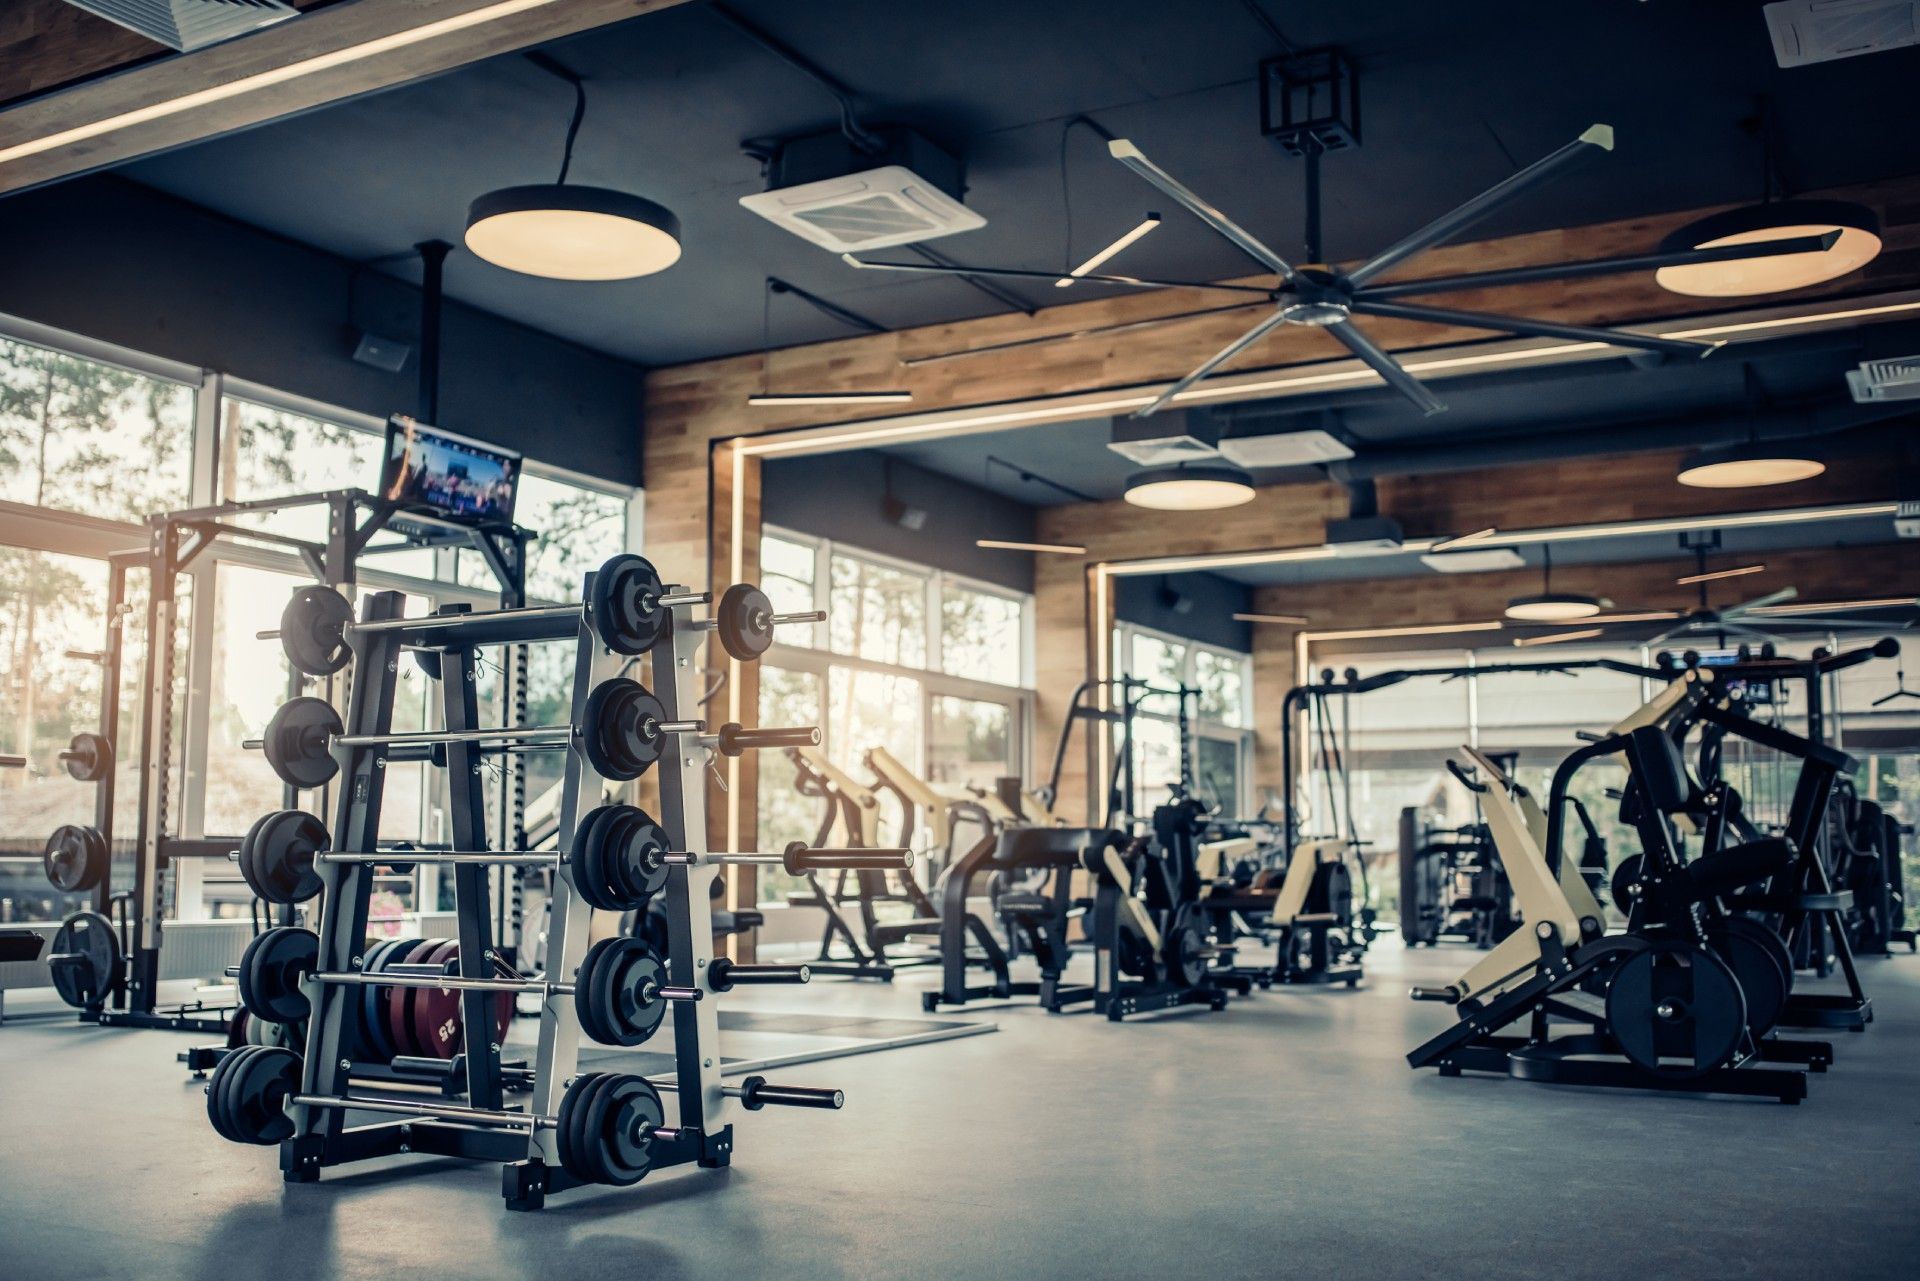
x,y
580,1128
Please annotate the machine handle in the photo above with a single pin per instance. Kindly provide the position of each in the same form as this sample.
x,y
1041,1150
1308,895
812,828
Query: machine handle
x,y
1453,768
1885,647
798,857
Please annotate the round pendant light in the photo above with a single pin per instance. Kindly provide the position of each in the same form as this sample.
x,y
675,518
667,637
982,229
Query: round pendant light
x,y
1749,465
1552,607
1188,488
1549,606
1857,226
567,232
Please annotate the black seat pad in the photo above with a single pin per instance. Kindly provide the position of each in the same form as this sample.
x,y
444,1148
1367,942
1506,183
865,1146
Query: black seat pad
x,y
1738,866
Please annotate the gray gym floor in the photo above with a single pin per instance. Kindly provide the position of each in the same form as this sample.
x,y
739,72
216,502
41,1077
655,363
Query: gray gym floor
x,y
1284,1137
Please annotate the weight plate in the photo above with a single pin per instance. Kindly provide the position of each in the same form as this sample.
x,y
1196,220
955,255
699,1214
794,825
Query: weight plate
x,y
585,861
313,630
246,1098
1187,955
1763,979
624,607
440,1014
89,938
277,856
576,1154
271,971
89,757
625,1114
298,742
1676,1010
237,1028
75,859
432,1008
636,858
373,1003
398,1019
620,729
745,622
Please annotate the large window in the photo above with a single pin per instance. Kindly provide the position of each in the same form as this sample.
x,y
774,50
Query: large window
x,y
930,666
93,440
87,436
1220,740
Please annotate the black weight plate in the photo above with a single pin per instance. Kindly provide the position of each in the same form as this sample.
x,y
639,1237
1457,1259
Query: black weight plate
x,y
587,860
271,970
624,1115
568,1117
277,856
1187,955
1768,938
620,729
247,1095
1704,1018
586,1147
237,1028
623,606
593,996
745,622
313,630
90,757
635,858
89,936
373,1005
75,858
1763,981
297,742
637,1015
1623,876
428,661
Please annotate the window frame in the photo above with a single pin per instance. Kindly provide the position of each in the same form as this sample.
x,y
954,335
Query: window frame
x,y
1241,737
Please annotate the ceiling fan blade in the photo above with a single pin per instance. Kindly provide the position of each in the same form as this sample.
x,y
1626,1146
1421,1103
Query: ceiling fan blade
x,y
1133,158
1011,273
1839,607
1213,362
1555,638
1391,371
1604,266
1596,139
1780,597
1532,328
1826,624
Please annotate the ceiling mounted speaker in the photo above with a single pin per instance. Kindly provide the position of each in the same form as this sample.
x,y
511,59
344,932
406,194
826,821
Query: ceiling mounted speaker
x,y
564,232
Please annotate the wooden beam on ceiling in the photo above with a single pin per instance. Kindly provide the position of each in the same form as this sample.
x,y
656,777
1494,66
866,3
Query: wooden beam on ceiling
x,y
340,51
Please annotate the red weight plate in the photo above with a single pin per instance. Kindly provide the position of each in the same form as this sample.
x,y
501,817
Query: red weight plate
x,y
399,1019
435,1012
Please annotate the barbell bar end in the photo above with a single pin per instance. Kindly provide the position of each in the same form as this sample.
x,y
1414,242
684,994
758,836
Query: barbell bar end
x,y
804,616
673,599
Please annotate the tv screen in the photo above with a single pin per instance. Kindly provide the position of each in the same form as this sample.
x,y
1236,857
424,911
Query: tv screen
x,y
433,470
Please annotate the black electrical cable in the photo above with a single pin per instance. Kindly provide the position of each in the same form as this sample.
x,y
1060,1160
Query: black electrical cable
x,y
573,130
1066,195
870,143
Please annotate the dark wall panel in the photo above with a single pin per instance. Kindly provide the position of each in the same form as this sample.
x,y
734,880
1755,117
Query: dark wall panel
x,y
1197,606
117,261
838,496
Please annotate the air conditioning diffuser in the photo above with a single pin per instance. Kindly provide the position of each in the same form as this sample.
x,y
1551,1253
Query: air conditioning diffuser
x,y
1897,379
824,190
1809,31
189,24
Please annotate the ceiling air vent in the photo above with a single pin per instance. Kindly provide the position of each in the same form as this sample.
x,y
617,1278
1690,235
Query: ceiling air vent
x,y
1896,379
1809,31
1185,436
1285,449
190,24
823,189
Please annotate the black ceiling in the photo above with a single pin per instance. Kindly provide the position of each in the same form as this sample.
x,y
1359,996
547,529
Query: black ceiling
x,y
1454,97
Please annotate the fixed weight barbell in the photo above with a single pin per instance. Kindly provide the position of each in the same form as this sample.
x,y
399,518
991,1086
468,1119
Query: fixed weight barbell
x,y
623,732
628,609
619,857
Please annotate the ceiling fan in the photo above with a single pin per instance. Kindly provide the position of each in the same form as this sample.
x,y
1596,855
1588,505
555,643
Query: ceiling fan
x,y
1320,296
1771,616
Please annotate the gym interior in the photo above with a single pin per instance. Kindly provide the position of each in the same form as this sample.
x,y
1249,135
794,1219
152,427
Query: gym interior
x,y
720,638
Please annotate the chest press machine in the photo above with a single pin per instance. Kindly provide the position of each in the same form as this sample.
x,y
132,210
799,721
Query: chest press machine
x,y
1687,999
